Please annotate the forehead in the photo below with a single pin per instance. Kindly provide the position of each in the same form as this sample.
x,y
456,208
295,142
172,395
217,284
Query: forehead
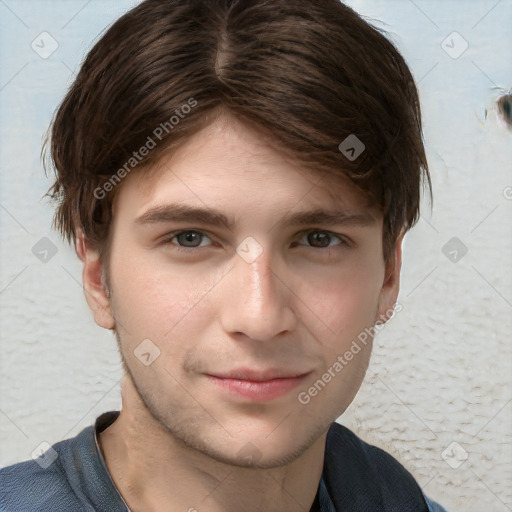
x,y
232,164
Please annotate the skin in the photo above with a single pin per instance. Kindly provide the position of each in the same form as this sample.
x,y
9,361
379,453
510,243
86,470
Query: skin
x,y
180,442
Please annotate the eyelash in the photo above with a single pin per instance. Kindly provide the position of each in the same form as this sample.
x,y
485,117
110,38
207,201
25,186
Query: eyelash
x,y
344,243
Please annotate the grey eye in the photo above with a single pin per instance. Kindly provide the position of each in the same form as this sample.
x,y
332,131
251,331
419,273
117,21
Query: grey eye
x,y
189,237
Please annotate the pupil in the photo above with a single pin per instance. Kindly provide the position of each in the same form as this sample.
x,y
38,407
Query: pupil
x,y
323,238
190,237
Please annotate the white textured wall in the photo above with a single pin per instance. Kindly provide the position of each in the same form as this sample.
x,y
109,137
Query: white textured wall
x,y
441,368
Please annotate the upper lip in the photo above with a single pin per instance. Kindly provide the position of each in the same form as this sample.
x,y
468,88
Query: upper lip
x,y
255,375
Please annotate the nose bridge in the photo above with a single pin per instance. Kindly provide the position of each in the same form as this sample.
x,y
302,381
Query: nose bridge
x,y
260,277
258,288
258,304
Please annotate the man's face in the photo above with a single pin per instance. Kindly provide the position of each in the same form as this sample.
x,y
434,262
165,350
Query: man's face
x,y
265,295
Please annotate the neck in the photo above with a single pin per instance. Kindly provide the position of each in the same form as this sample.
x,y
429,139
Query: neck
x,y
154,470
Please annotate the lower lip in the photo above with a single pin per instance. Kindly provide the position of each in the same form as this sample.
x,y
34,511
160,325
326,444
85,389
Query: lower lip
x,y
258,391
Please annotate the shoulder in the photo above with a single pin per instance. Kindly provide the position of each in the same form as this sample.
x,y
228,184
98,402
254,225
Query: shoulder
x,y
349,449
433,506
39,485
371,476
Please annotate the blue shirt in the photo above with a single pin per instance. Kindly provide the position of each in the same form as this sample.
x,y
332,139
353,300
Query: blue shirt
x,y
72,477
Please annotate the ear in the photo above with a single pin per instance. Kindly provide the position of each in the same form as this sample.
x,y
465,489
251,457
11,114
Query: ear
x,y
95,289
391,285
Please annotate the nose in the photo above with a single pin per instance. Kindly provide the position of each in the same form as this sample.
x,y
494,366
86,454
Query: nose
x,y
256,300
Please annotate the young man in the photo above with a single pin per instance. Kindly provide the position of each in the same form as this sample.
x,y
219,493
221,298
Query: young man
x,y
237,177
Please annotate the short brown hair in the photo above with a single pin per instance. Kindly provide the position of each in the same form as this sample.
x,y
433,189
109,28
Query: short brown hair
x,y
310,73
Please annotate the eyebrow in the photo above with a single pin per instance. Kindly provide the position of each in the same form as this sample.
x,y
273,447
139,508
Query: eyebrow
x,y
185,213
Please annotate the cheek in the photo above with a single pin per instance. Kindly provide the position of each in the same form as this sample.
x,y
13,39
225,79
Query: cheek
x,y
153,300
341,301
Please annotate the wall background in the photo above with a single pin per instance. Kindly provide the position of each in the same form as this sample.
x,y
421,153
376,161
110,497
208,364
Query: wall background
x,y
440,372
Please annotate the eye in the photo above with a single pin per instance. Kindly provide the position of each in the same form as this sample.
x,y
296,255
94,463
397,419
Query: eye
x,y
189,239
320,239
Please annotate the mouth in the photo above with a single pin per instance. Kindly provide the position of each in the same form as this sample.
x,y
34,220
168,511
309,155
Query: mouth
x,y
257,386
